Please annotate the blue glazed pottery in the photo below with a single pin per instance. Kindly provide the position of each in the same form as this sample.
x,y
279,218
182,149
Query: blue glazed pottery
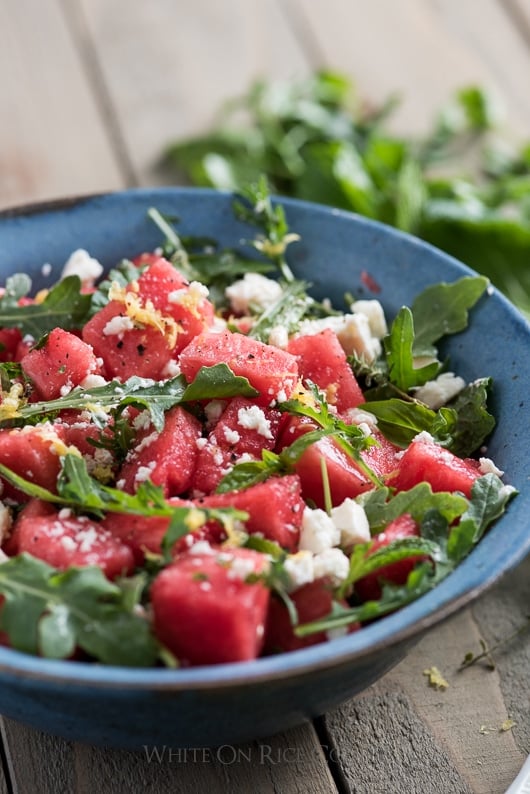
x,y
338,252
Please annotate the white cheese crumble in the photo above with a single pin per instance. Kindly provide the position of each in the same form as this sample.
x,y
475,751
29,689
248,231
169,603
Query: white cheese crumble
x,y
93,381
81,264
172,369
195,292
438,392
213,411
352,523
118,325
333,563
487,466
201,547
232,436
144,472
253,418
299,568
279,337
254,291
201,443
373,311
352,330
318,531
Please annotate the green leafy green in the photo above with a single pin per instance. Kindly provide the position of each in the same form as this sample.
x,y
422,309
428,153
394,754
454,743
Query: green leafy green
x,y
156,397
64,306
457,187
445,549
287,311
51,612
399,354
442,309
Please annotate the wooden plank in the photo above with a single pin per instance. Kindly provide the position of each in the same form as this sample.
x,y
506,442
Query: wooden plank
x,y
291,762
454,732
169,66
421,50
52,139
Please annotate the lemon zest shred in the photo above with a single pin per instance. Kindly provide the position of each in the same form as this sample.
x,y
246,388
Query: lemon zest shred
x,y
12,401
145,314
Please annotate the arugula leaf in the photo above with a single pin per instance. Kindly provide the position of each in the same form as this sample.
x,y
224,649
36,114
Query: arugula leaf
x,y
473,421
401,420
63,306
399,346
443,309
156,397
51,612
122,275
381,508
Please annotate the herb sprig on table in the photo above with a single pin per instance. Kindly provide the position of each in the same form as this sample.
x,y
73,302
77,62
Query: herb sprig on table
x,y
462,187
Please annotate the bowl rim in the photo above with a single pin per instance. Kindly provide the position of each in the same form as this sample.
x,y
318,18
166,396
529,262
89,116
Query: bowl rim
x,y
392,630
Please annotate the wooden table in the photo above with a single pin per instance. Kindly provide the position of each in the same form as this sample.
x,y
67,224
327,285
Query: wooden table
x,y
90,92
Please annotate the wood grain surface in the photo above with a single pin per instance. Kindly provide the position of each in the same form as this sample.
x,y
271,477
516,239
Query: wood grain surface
x,y
91,91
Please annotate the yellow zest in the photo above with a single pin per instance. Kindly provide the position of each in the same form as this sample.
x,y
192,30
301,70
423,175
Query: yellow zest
x,y
41,296
195,519
235,534
12,401
143,315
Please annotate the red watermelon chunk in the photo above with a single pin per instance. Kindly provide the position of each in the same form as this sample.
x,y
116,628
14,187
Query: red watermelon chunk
x,y
145,533
426,461
273,372
204,610
167,458
172,295
32,453
369,588
126,350
312,601
63,539
322,360
275,508
63,362
243,429
345,478
10,339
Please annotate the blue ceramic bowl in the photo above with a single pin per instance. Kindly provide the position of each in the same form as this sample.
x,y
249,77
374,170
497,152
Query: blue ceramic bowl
x,y
237,702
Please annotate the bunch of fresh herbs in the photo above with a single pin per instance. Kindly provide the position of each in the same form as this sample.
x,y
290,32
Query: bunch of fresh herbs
x,y
463,186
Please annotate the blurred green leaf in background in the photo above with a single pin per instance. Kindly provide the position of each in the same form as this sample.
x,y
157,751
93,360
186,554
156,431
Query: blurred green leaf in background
x,y
463,187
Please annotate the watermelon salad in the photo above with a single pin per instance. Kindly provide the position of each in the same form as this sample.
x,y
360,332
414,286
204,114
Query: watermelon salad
x,y
201,463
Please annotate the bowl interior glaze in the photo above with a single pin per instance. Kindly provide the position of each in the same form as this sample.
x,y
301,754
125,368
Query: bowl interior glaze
x,y
338,252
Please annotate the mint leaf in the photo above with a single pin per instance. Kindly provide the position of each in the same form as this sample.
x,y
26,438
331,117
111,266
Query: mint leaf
x,y
64,306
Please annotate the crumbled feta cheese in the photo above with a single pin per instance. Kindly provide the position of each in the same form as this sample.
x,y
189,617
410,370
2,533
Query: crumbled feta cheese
x,y
213,411
81,264
352,523
240,568
5,520
172,369
254,291
299,569
86,539
146,442
201,443
373,311
142,421
201,547
93,381
425,437
195,292
487,466
118,325
318,531
356,416
232,436
353,332
68,543
279,337
253,418
333,563
64,513
144,472
46,269
66,388
438,392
